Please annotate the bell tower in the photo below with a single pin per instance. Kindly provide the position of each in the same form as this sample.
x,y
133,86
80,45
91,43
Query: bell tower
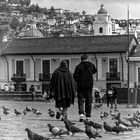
x,y
102,23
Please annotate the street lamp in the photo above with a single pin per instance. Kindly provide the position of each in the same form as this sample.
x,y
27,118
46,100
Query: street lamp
x,y
128,90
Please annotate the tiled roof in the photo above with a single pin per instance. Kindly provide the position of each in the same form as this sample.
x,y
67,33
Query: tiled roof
x,y
3,45
70,45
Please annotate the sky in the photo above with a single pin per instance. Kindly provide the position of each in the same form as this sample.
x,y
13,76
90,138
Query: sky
x,y
116,8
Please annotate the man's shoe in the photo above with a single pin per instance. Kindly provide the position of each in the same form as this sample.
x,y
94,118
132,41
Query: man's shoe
x,y
81,118
87,118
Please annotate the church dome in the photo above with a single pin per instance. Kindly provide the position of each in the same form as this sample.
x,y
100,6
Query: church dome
x,y
102,10
31,33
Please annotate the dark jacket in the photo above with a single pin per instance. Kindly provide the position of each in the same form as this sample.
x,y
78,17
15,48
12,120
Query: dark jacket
x,y
62,84
115,94
32,89
83,75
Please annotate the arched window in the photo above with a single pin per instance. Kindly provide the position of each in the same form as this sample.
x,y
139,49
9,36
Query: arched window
x,y
100,30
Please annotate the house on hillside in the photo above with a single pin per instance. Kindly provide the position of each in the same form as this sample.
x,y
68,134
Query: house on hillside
x,y
37,58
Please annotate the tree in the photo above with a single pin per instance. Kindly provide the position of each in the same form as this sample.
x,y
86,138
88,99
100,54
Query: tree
x,y
31,9
37,8
14,24
5,8
52,12
27,2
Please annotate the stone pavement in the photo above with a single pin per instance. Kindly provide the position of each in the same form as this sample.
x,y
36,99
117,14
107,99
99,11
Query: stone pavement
x,y
12,127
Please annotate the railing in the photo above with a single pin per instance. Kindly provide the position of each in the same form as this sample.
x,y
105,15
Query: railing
x,y
44,77
113,76
18,77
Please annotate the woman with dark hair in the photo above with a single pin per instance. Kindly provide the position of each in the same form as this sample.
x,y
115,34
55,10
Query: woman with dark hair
x,y
62,88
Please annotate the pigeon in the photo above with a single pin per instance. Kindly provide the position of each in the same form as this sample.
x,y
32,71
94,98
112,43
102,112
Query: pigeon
x,y
97,105
134,123
105,114
136,118
58,114
118,129
17,112
91,133
117,116
24,112
28,109
93,124
51,112
128,117
123,126
101,115
68,121
38,113
57,131
107,127
73,129
33,136
34,110
137,113
4,108
114,115
124,123
6,112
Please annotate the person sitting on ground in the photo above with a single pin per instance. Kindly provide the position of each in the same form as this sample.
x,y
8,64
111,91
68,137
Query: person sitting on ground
x,y
12,87
32,90
6,87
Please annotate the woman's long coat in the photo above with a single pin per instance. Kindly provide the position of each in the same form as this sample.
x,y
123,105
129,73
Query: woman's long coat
x,y
62,84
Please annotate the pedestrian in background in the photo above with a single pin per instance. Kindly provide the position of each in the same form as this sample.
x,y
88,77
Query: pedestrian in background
x,y
83,75
32,90
62,88
115,95
109,97
97,96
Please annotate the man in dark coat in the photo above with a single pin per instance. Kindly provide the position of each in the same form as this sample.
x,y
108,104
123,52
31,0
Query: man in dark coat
x,y
83,75
62,87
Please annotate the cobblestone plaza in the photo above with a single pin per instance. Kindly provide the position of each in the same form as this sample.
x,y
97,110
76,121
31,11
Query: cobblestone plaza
x,y
12,127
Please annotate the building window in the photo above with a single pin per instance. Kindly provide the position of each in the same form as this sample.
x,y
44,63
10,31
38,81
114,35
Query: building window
x,y
19,67
138,75
46,67
113,65
100,30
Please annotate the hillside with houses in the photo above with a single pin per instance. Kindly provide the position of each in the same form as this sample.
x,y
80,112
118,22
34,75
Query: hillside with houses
x,y
17,17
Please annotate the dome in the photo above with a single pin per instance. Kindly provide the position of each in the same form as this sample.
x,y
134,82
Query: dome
x,y
102,10
34,33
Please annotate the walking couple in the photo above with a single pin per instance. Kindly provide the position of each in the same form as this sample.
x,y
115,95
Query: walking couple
x,y
64,86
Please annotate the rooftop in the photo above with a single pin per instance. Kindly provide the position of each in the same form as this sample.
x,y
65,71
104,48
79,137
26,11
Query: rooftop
x,y
69,45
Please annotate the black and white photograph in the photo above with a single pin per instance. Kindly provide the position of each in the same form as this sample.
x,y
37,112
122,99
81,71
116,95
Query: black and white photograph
x,y
69,69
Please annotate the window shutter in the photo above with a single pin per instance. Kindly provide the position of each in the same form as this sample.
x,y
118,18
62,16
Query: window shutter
x,y
13,66
37,67
27,68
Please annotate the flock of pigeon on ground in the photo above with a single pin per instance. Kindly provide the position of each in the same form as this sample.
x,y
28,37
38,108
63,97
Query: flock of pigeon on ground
x,y
92,128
